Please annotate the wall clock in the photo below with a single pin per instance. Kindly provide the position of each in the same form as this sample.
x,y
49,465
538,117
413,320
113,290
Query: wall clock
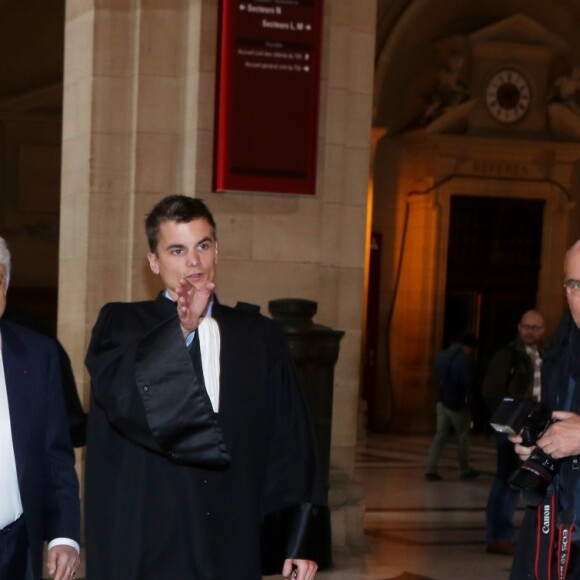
x,y
507,95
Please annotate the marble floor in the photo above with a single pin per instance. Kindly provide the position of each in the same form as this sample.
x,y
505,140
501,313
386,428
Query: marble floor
x,y
419,530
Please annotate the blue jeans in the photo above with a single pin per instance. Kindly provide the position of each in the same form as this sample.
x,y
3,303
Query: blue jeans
x,y
503,500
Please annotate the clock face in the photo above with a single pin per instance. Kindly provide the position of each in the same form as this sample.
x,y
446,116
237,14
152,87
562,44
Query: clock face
x,y
507,96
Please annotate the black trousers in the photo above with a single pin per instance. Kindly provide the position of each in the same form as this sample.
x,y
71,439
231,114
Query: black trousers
x,y
13,551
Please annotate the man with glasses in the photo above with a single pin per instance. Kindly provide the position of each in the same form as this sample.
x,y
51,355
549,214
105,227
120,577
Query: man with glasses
x,y
548,545
513,370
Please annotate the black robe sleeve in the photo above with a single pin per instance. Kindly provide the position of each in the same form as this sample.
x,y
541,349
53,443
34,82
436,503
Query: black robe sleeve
x,y
147,386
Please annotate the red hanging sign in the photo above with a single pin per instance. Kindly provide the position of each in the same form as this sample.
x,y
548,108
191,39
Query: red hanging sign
x,y
268,82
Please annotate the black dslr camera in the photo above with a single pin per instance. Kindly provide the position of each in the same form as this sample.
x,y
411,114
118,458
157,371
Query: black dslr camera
x,y
530,419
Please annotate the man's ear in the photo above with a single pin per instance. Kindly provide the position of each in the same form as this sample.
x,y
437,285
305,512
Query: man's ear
x,y
153,263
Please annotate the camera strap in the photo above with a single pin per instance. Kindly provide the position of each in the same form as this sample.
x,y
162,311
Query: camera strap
x,y
556,526
566,520
565,529
545,535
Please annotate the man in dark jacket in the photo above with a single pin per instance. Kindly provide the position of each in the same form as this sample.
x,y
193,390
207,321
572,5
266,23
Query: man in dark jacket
x,y
513,370
77,418
455,374
548,544
198,436
39,491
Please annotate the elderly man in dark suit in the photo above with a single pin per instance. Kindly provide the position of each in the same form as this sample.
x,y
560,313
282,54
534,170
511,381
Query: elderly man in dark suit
x,y
39,496
199,442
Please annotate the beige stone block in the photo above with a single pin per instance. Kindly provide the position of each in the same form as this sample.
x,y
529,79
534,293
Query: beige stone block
x,y
287,233
209,33
359,120
107,281
77,109
338,527
331,234
224,204
159,104
234,235
339,12
191,96
363,16
339,61
115,5
343,457
192,37
73,277
352,243
199,171
111,168
156,163
76,8
75,341
356,175
344,411
158,5
336,114
72,336
79,42
113,105
75,168
328,300
114,45
206,100
110,227
350,299
187,156
260,282
361,63
161,40
74,219
143,203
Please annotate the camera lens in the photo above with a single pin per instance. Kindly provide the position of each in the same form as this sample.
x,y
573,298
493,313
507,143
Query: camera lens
x,y
534,476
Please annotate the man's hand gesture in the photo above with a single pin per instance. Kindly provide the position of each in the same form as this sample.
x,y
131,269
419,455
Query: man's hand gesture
x,y
192,303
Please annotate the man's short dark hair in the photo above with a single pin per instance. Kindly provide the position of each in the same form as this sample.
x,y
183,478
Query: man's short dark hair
x,y
175,208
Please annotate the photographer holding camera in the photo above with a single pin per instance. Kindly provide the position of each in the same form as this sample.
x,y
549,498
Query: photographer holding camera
x,y
549,546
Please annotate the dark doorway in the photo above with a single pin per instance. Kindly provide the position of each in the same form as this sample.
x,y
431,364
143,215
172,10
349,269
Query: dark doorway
x,y
492,267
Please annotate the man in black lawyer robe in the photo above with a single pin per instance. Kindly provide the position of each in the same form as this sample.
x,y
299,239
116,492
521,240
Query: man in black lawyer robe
x,y
201,463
